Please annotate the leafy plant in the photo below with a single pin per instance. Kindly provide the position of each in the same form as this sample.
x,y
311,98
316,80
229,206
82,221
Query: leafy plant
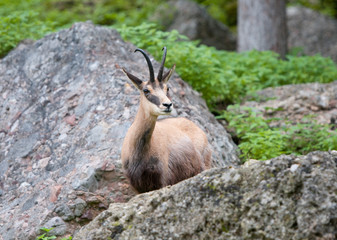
x,y
22,19
260,141
102,12
222,10
45,236
18,25
327,7
223,76
256,139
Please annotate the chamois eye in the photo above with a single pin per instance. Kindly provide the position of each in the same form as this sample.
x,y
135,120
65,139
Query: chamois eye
x,y
146,91
168,88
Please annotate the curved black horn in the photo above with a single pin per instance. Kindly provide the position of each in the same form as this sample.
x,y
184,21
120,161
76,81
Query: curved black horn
x,y
161,69
148,63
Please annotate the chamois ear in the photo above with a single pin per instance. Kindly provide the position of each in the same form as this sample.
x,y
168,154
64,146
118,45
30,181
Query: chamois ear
x,y
136,81
167,75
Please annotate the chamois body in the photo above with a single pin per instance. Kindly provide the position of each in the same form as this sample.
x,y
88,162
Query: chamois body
x,y
160,153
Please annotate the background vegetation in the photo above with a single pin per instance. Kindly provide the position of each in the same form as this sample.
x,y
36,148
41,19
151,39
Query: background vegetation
x,y
223,78
260,141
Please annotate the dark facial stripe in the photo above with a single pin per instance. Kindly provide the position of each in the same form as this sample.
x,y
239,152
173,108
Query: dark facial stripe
x,y
153,99
168,95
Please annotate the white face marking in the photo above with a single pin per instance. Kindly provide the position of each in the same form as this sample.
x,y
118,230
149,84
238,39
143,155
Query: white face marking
x,y
157,99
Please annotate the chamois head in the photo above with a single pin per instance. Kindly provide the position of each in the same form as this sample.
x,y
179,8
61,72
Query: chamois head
x,y
154,92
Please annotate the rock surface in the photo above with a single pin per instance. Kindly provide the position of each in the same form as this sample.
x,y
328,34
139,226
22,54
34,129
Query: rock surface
x,y
289,197
312,31
294,102
192,20
65,107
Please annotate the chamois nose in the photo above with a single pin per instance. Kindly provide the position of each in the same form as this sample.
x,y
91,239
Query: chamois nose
x,y
167,105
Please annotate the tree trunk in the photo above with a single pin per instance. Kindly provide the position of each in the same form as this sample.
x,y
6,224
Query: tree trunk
x,y
262,26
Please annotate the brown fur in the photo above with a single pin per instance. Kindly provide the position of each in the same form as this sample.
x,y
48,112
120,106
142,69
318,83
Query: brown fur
x,y
160,153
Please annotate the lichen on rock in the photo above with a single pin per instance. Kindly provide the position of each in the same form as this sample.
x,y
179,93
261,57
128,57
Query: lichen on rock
x,y
260,200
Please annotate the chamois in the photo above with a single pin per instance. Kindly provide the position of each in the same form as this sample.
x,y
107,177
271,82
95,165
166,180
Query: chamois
x,y
160,153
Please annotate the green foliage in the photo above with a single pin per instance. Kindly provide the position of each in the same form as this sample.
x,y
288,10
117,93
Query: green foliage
x,y
222,77
260,141
20,20
102,12
18,25
32,19
228,76
45,236
222,10
257,139
327,7
308,137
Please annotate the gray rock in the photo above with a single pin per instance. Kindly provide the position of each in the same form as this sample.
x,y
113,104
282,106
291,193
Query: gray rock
x,y
87,182
79,206
29,203
57,225
312,31
294,102
64,212
192,20
65,106
288,197
23,146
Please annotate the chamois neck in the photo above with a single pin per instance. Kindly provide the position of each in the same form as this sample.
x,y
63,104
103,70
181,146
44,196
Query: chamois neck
x,y
143,127
144,117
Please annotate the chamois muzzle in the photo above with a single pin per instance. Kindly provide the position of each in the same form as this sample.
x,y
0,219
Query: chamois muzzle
x,y
168,107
